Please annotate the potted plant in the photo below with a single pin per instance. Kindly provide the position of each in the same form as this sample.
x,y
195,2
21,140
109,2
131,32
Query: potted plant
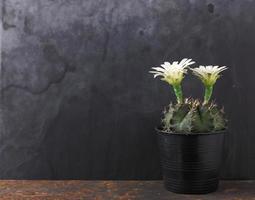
x,y
191,133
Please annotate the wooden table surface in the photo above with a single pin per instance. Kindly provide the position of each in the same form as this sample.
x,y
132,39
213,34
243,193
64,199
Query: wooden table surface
x,y
120,190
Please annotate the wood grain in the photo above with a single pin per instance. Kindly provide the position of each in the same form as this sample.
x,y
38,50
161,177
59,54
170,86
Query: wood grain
x,y
117,190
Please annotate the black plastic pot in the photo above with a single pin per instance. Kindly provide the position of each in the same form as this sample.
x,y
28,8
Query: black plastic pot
x,y
191,162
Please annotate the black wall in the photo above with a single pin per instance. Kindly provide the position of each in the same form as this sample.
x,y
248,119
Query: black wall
x,y
77,101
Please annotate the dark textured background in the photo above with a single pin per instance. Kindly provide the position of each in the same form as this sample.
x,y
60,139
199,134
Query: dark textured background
x,y
77,101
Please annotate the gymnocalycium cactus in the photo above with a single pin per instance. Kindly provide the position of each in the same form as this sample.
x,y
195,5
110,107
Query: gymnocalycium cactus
x,y
189,115
193,116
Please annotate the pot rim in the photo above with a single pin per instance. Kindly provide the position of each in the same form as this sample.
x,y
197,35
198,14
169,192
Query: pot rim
x,y
165,133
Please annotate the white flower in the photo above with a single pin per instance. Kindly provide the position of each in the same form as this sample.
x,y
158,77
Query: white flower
x,y
172,73
208,74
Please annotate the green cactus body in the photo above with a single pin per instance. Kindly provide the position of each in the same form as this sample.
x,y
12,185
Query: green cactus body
x,y
202,119
193,117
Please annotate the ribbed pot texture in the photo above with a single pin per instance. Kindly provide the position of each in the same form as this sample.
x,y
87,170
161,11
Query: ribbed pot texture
x,y
191,163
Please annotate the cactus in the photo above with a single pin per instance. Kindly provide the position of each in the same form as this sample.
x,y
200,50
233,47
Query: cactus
x,y
193,116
